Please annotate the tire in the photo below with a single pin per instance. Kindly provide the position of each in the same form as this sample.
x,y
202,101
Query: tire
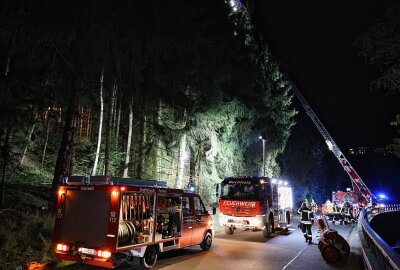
x,y
269,229
150,258
207,242
271,221
287,217
229,230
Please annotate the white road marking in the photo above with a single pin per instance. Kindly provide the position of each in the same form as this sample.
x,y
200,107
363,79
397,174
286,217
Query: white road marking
x,y
295,257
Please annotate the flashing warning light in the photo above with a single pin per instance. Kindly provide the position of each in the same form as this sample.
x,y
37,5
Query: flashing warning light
x,y
123,188
274,181
382,196
104,253
61,192
114,193
62,247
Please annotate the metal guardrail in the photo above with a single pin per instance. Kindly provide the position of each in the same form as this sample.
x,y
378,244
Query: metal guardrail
x,y
376,252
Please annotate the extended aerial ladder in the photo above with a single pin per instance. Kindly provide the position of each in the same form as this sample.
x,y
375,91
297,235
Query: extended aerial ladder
x,y
358,185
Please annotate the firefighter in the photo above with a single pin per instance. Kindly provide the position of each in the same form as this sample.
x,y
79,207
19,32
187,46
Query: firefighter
x,y
314,207
347,213
336,213
307,219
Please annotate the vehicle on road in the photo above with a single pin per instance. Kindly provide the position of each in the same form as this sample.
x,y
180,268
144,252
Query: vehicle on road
x,y
254,203
340,198
106,221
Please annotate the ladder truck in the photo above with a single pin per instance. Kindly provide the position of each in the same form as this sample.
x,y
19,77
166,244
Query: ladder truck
x,y
359,188
364,194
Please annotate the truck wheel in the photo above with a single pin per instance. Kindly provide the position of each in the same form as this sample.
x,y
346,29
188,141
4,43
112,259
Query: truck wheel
x,y
149,259
228,230
287,217
207,242
269,228
267,232
271,221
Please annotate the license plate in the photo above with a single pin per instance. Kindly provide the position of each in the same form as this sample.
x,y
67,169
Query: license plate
x,y
88,251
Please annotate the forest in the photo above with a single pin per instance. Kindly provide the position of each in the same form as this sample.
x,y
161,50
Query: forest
x,y
178,91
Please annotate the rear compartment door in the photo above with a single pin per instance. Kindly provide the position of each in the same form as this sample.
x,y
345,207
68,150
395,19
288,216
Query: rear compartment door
x,y
85,219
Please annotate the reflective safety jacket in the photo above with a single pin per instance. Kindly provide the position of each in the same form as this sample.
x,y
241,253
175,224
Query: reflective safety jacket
x,y
336,209
307,216
347,210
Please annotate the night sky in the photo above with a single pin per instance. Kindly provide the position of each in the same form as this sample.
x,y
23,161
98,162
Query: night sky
x,y
313,40
314,43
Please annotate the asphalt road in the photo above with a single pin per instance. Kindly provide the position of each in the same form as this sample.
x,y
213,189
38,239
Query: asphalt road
x,y
249,250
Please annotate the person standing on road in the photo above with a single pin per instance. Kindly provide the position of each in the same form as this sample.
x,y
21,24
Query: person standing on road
x,y
347,213
314,207
307,219
336,213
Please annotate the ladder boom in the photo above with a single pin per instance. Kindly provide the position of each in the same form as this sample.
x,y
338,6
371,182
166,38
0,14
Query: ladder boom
x,y
357,183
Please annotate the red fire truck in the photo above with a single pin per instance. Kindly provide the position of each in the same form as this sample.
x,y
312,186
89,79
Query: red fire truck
x,y
341,197
108,221
257,203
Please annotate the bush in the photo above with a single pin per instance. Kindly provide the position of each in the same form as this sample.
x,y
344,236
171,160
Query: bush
x,y
25,237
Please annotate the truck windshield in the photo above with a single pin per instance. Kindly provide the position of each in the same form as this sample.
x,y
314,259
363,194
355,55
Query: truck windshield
x,y
239,191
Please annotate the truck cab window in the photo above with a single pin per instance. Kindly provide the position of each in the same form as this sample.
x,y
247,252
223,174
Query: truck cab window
x,y
186,209
199,208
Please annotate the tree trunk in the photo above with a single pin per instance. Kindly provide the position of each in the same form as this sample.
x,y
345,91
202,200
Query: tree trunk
x,y
5,153
108,135
46,140
128,147
159,146
28,140
96,160
118,123
5,160
65,152
182,160
198,170
114,108
141,143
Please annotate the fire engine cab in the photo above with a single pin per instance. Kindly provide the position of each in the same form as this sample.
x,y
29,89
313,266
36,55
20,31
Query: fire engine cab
x,y
257,203
106,221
